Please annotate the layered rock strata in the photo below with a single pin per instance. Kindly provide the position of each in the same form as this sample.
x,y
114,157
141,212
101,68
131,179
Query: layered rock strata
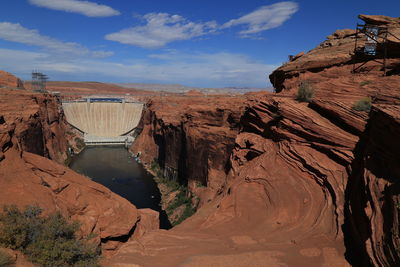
x,y
330,63
306,184
9,80
191,138
32,141
373,203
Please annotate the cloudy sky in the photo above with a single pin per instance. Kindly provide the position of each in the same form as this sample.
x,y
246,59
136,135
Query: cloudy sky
x,y
200,43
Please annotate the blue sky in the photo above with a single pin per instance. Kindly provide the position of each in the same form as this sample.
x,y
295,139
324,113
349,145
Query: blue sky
x,y
200,43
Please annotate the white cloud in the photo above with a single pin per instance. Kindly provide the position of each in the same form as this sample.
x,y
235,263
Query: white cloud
x,y
14,32
264,18
196,69
86,8
161,29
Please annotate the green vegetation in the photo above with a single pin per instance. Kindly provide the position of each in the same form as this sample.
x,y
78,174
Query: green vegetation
x,y
199,184
46,241
182,199
305,92
5,259
79,143
363,83
160,179
364,104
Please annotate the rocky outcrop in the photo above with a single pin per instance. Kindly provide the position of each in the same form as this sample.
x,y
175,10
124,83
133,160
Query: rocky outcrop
x,y
28,179
35,123
10,81
334,58
32,140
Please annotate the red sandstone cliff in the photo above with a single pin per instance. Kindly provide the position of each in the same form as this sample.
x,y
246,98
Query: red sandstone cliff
x,y
191,138
32,131
35,122
373,203
328,66
9,80
306,184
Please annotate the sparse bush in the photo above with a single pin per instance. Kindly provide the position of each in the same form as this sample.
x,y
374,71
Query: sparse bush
x,y
47,241
364,83
155,167
79,143
200,184
182,198
305,92
18,229
363,104
5,259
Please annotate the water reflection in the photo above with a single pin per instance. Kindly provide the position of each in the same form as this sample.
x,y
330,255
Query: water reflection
x,y
116,169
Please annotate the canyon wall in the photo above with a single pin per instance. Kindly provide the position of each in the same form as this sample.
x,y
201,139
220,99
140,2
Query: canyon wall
x,y
191,138
35,123
373,203
296,183
32,141
9,80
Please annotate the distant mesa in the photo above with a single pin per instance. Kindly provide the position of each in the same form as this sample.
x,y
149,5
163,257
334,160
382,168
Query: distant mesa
x,y
194,93
10,81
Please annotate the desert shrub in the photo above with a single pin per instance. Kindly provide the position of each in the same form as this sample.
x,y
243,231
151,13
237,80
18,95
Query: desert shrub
x,y
182,198
363,104
47,241
363,83
200,184
305,92
155,167
18,229
5,259
79,143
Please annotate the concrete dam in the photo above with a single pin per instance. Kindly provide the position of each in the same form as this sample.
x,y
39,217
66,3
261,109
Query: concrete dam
x,y
104,121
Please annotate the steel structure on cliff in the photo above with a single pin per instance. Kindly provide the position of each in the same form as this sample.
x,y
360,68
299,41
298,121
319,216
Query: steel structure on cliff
x,y
39,81
375,38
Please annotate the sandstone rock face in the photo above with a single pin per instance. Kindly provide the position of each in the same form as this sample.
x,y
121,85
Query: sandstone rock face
x,y
334,58
28,179
306,184
35,123
10,81
373,204
190,137
32,131
281,201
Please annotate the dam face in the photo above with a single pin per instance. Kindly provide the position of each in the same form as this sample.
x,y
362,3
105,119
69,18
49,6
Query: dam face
x,y
103,120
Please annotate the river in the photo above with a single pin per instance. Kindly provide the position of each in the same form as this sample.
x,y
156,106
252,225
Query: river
x,y
115,168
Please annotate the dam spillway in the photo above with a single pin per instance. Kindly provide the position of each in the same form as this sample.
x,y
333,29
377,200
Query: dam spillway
x,y
103,121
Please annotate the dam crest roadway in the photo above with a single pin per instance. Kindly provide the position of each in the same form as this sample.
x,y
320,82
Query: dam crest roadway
x,y
104,120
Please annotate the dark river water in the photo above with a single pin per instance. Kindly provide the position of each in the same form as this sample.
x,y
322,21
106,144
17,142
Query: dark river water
x,y
116,169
